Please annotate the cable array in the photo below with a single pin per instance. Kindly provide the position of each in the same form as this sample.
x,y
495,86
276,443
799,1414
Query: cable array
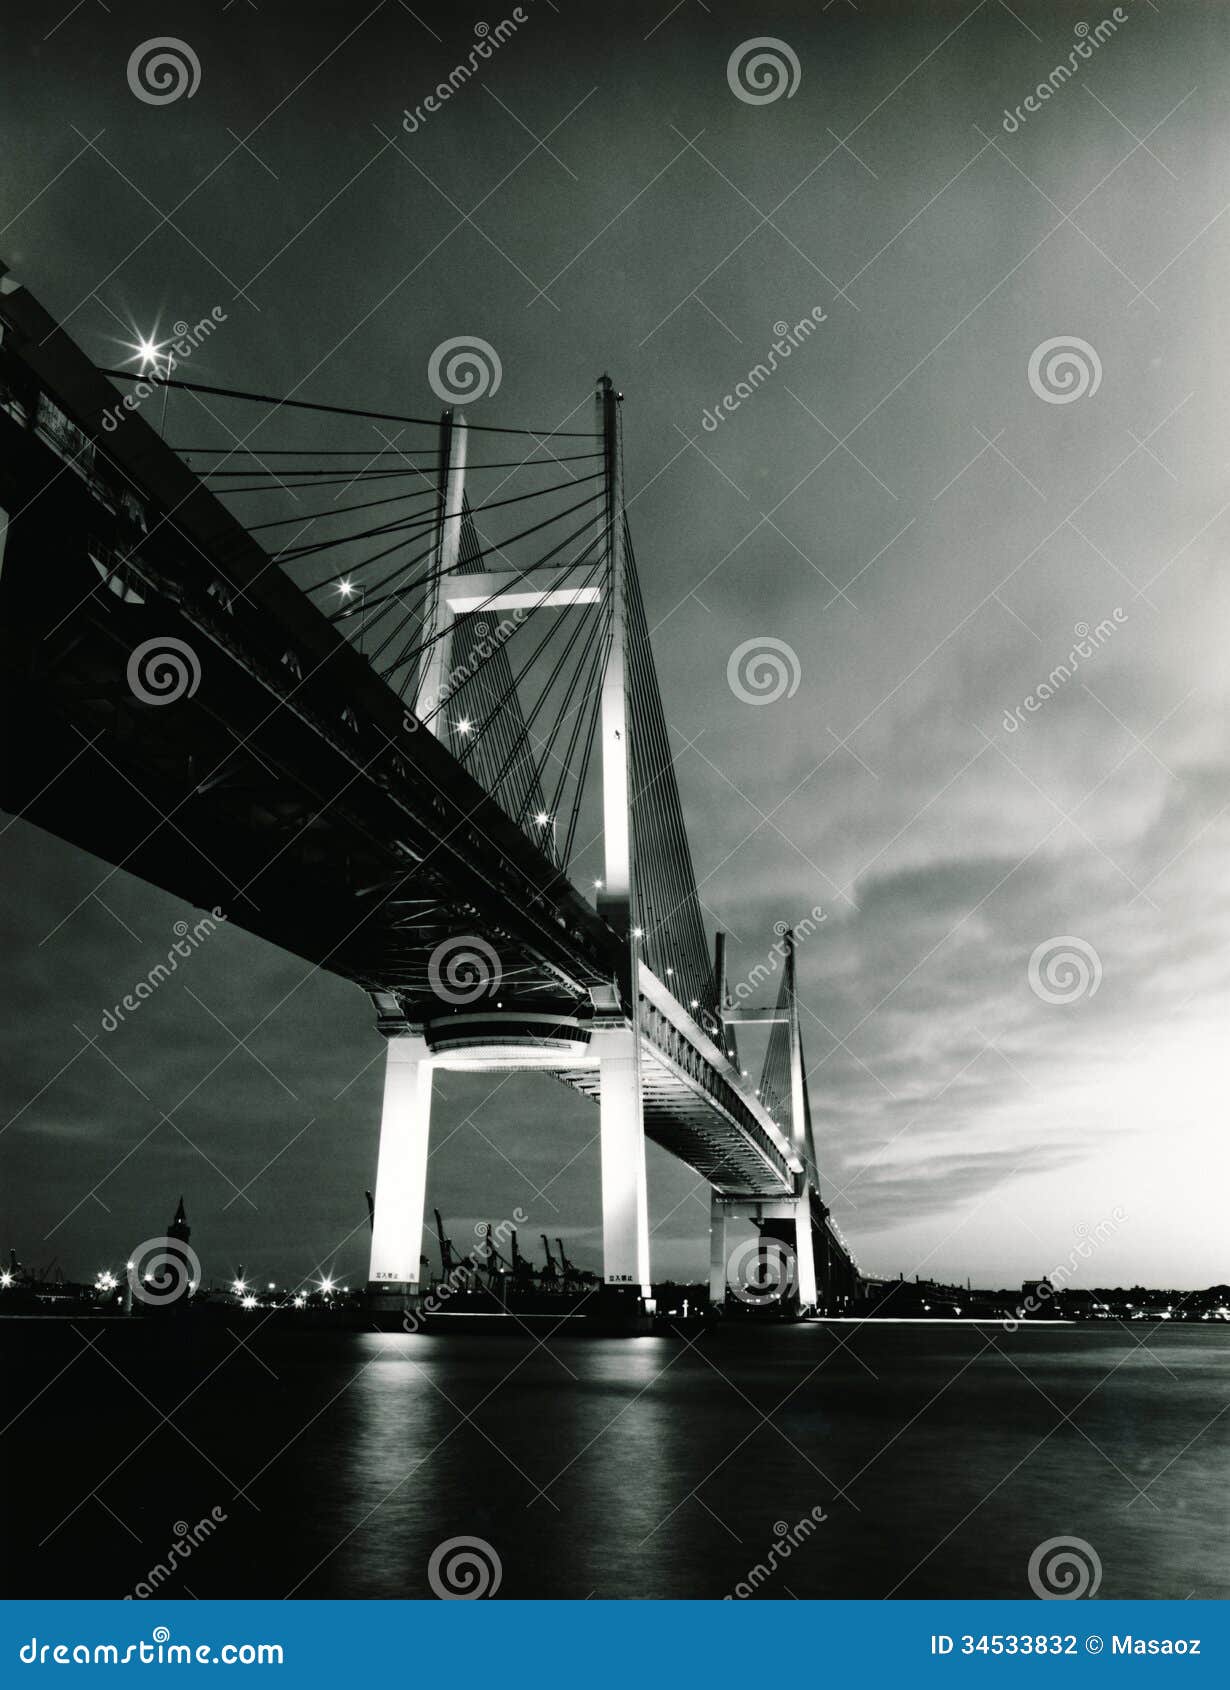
x,y
667,905
776,1090
361,530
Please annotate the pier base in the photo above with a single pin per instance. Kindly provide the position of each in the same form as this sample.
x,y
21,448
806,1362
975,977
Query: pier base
x,y
395,1274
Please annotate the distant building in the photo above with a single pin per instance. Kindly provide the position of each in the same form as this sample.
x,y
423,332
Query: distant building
x,y
172,1284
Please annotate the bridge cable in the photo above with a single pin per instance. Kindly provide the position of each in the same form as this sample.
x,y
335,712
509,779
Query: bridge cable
x,y
411,652
346,410
496,546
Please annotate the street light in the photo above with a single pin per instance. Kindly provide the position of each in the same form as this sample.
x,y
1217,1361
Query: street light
x,y
149,351
545,819
346,591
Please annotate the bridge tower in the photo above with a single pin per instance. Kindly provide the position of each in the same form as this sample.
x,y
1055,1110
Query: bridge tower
x,y
612,1048
808,1263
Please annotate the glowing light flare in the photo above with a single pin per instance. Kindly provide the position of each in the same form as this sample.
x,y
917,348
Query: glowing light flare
x,y
148,351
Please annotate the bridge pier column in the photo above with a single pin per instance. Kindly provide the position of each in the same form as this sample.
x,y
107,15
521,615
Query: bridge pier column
x,y
805,1251
625,1207
401,1171
717,1250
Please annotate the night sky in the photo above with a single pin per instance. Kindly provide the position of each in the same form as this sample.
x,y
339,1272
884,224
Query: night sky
x,y
898,503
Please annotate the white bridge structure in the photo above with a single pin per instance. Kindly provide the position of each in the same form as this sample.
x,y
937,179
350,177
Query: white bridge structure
x,y
378,760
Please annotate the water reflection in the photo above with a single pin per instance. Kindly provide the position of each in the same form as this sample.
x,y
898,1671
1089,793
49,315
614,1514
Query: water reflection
x,y
940,1456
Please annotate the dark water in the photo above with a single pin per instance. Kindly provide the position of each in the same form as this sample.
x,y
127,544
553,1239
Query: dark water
x,y
941,1457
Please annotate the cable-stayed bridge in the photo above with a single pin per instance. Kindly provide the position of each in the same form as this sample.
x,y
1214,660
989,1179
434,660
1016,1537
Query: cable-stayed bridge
x,y
298,684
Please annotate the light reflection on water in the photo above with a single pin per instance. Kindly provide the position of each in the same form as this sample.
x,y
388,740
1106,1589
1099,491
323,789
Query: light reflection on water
x,y
649,1467
644,1467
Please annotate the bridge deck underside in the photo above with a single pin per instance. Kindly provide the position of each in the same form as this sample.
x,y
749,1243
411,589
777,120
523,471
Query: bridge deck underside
x,y
691,1126
283,787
